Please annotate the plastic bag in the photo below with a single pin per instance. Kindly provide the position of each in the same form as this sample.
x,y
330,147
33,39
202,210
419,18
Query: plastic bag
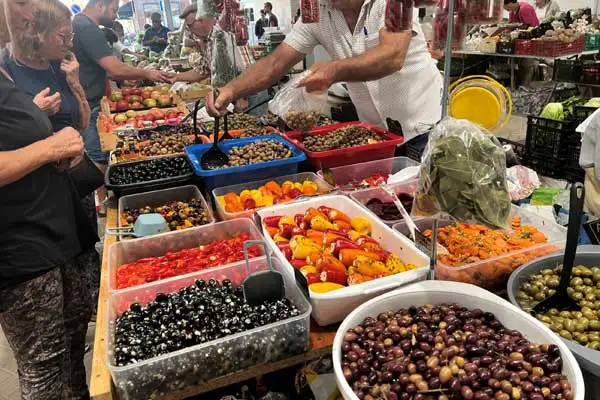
x,y
227,61
398,15
310,11
299,109
463,176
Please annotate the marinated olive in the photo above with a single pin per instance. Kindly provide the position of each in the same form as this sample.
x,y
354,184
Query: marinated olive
x,y
349,136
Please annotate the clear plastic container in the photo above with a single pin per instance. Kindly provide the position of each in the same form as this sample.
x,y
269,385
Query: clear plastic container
x,y
153,246
157,198
357,172
493,273
363,196
323,186
433,292
194,365
333,306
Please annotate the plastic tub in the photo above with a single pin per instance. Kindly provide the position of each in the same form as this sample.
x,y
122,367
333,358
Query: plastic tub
x,y
351,155
493,273
363,196
122,190
248,173
157,198
357,172
332,307
194,365
586,255
128,251
324,188
434,292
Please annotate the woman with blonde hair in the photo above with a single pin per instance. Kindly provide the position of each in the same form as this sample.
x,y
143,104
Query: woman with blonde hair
x,y
45,300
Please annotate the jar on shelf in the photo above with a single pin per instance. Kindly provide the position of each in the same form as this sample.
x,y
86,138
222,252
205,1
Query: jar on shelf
x,y
398,15
484,11
309,10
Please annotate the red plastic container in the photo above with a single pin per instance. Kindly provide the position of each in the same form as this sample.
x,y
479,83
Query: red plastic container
x,y
555,48
523,46
351,155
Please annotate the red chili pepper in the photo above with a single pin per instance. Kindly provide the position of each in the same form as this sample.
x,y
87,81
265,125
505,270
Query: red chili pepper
x,y
333,275
342,244
272,221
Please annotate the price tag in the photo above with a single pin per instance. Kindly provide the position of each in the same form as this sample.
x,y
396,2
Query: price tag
x,y
592,229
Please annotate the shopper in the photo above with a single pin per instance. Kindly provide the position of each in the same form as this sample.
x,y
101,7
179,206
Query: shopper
x,y
545,9
156,37
389,75
259,27
44,298
201,22
118,47
273,22
96,61
521,12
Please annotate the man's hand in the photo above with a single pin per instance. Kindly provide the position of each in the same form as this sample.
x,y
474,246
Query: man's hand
x,y
46,103
65,144
322,76
70,67
159,76
218,107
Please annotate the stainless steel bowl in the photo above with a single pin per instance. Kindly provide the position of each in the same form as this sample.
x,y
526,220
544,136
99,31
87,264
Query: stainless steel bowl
x,y
586,255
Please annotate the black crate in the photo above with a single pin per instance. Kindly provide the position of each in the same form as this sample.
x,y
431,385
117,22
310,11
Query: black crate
x,y
505,48
581,113
567,70
548,137
575,174
546,166
591,74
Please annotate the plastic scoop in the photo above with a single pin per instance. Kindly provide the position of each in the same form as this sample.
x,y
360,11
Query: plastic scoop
x,y
412,227
263,285
561,299
145,225
197,140
215,157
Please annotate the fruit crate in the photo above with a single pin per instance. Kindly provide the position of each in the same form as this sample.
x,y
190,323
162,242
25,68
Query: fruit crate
x,y
247,173
555,48
567,71
350,155
549,167
549,138
523,47
193,366
592,41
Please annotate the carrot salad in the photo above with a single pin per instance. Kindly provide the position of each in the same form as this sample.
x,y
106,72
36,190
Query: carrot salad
x,y
469,243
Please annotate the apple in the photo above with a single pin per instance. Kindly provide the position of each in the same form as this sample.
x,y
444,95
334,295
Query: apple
x,y
171,115
122,105
127,99
120,118
136,91
134,98
164,100
149,117
149,88
150,103
146,94
136,105
113,106
155,95
131,121
126,92
130,114
164,89
116,95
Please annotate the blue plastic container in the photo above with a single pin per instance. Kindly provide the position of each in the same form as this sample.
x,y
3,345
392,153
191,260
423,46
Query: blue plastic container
x,y
249,173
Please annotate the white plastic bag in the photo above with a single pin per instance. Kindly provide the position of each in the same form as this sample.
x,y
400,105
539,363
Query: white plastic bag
x,y
299,109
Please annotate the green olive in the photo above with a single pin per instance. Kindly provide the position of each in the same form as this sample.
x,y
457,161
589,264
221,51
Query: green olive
x,y
576,281
569,325
595,345
566,335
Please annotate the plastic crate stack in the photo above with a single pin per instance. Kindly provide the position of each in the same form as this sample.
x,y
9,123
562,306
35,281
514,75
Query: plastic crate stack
x,y
552,148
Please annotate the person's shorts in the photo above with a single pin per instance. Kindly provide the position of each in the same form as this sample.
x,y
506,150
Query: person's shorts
x,y
91,138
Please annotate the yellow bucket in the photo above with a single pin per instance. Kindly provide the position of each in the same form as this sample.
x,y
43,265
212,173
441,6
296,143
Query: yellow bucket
x,y
481,100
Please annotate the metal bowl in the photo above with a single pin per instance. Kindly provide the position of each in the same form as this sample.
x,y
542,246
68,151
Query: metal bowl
x,y
589,256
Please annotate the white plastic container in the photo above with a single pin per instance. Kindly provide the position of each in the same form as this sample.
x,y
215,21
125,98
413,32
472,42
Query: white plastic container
x,y
332,307
357,172
436,292
362,197
128,251
192,366
323,187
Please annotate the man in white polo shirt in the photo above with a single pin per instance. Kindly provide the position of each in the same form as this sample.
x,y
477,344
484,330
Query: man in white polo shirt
x,y
389,75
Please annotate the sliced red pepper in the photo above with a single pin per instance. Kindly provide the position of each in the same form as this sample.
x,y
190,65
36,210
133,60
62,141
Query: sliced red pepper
x,y
297,263
347,256
298,231
299,218
330,274
313,278
331,236
366,239
329,261
340,244
324,210
287,231
272,221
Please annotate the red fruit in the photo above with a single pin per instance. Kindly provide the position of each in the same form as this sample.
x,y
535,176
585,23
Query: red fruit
x,y
249,204
136,91
272,221
324,209
126,92
298,231
313,278
127,98
298,263
295,193
112,105
122,105
287,231
299,218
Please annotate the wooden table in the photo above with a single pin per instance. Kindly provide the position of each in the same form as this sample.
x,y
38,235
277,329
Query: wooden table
x,y
101,388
